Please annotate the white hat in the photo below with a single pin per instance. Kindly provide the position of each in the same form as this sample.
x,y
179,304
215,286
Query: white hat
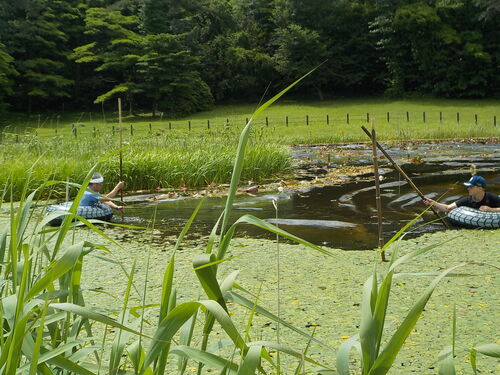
x,y
96,179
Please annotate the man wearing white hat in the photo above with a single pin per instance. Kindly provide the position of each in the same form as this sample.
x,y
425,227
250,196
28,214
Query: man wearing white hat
x,y
478,198
91,196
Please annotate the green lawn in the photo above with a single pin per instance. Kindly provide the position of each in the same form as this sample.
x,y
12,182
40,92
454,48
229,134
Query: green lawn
x,y
289,121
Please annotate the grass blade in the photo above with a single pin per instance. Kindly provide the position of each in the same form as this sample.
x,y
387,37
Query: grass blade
x,y
386,358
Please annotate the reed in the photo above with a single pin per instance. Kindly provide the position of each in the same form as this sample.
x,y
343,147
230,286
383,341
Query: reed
x,y
167,162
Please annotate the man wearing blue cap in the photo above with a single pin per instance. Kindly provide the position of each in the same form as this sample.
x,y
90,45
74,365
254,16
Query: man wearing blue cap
x,y
478,198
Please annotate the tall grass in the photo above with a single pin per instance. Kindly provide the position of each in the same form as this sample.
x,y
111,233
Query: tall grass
x,y
147,163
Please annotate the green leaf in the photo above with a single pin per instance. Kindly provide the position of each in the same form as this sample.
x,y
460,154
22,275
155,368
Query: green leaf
x,y
343,354
57,269
208,359
207,277
240,153
185,338
490,350
249,219
179,315
386,358
85,312
251,361
286,350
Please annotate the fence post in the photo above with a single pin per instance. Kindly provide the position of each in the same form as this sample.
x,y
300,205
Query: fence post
x,y
327,119
475,118
169,126
458,117
388,117
208,124
347,118
367,117
267,121
150,130
189,124
113,130
307,119
423,116
94,132
494,120
286,120
407,116
17,138
131,129
227,121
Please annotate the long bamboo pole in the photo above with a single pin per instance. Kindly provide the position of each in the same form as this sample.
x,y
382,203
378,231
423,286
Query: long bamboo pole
x,y
405,176
377,191
121,145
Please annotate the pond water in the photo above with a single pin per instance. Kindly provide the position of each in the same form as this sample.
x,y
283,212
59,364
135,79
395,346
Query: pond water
x,y
342,216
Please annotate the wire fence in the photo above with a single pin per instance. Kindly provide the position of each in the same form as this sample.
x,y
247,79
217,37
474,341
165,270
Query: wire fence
x,y
53,127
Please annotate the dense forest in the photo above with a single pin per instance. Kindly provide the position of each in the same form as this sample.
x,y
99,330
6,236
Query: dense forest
x,y
182,56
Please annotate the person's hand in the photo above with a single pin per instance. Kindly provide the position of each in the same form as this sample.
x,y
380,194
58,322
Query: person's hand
x,y
120,208
485,209
428,201
120,184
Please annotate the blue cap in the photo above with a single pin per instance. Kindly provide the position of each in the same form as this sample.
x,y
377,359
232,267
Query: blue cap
x,y
476,181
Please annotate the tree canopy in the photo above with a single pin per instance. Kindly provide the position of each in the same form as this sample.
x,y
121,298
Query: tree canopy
x,y
181,56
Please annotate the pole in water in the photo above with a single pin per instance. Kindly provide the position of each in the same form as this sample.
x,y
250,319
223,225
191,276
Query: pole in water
x,y
377,191
121,145
67,189
405,176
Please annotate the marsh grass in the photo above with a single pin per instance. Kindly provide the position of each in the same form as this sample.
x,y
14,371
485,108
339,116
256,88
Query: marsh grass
x,y
166,162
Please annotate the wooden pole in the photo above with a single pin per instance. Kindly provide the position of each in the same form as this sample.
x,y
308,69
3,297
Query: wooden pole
x,y
67,189
121,145
405,176
377,191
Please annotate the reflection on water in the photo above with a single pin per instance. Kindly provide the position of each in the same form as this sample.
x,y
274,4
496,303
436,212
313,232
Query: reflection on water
x,y
342,216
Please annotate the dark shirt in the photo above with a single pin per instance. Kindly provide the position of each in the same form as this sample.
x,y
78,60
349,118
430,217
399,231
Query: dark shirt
x,y
490,200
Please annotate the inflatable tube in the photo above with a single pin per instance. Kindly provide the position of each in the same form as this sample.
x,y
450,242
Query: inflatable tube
x,y
470,218
99,211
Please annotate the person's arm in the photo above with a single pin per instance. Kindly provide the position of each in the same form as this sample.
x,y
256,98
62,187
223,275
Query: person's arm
x,y
112,204
105,200
440,206
489,209
116,189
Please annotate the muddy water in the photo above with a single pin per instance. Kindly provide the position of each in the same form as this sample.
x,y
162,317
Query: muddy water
x,y
344,216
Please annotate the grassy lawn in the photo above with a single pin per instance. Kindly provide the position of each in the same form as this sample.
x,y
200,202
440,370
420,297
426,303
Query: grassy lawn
x,y
288,121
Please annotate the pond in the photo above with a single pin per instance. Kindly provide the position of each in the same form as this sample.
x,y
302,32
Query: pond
x,y
342,215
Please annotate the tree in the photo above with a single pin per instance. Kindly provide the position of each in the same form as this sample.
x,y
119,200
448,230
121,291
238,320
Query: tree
x,y
114,52
34,38
437,49
7,73
168,76
298,50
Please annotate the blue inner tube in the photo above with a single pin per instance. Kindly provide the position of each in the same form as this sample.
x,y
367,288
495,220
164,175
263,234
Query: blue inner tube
x,y
99,211
470,218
